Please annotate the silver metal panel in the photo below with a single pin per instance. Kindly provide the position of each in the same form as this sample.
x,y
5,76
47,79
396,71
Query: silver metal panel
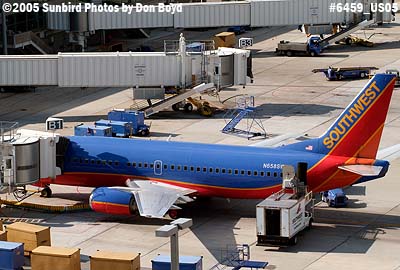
x,y
16,71
123,20
294,12
79,22
27,162
148,93
213,15
118,69
58,21
227,70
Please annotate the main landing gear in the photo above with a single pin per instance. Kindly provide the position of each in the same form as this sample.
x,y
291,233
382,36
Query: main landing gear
x,y
46,192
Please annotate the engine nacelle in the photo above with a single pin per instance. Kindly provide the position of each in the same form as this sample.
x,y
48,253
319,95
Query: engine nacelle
x,y
113,201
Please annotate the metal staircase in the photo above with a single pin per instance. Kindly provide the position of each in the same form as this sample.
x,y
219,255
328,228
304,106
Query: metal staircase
x,y
244,110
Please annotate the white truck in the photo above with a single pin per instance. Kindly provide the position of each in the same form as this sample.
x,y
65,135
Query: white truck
x,y
284,214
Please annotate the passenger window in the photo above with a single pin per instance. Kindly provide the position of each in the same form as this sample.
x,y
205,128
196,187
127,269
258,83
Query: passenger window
x,y
145,165
268,173
165,166
216,170
134,164
86,160
92,161
210,170
98,162
255,173
248,173
151,165
275,174
185,168
110,162
178,167
223,170
191,168
261,173
281,174
242,172
75,159
229,171
116,163
140,164
128,164
172,167
158,166
204,169
104,162
198,169
236,172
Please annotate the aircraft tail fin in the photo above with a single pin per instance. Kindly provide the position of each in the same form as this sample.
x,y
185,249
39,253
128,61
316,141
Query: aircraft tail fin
x,y
358,129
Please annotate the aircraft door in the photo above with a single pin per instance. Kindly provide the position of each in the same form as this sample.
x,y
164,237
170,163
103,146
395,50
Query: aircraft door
x,y
158,167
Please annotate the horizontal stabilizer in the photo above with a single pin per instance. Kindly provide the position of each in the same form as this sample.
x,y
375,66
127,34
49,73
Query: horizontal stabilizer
x,y
363,170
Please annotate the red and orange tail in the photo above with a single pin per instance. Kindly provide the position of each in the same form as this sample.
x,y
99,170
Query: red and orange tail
x,y
357,131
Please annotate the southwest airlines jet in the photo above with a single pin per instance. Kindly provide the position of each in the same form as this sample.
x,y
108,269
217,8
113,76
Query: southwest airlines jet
x,y
150,178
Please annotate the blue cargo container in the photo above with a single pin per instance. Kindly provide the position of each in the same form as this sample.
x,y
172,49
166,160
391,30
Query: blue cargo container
x,y
136,118
119,129
91,130
162,262
11,255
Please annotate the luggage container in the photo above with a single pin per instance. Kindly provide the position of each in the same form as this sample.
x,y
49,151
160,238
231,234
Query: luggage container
x,y
55,258
11,255
135,118
119,129
3,236
104,260
31,235
225,39
162,262
91,130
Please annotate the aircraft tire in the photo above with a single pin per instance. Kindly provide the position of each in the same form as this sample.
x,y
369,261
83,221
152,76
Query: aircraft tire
x,y
46,192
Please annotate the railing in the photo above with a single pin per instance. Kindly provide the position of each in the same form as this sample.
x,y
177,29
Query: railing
x,y
23,39
172,46
7,130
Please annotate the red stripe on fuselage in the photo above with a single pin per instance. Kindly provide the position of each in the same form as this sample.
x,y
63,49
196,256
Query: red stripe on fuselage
x,y
107,180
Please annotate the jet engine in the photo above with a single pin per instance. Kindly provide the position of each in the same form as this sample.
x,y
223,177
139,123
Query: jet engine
x,y
113,201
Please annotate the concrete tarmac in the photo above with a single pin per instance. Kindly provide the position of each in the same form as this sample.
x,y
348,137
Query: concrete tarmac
x,y
292,100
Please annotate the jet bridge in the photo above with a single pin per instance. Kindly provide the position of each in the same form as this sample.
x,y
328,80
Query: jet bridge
x,y
25,158
184,65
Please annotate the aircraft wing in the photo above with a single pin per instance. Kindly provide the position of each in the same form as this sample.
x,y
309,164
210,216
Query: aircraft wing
x,y
390,153
363,170
154,199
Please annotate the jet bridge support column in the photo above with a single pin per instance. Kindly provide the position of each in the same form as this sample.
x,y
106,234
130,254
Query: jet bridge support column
x,y
182,53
